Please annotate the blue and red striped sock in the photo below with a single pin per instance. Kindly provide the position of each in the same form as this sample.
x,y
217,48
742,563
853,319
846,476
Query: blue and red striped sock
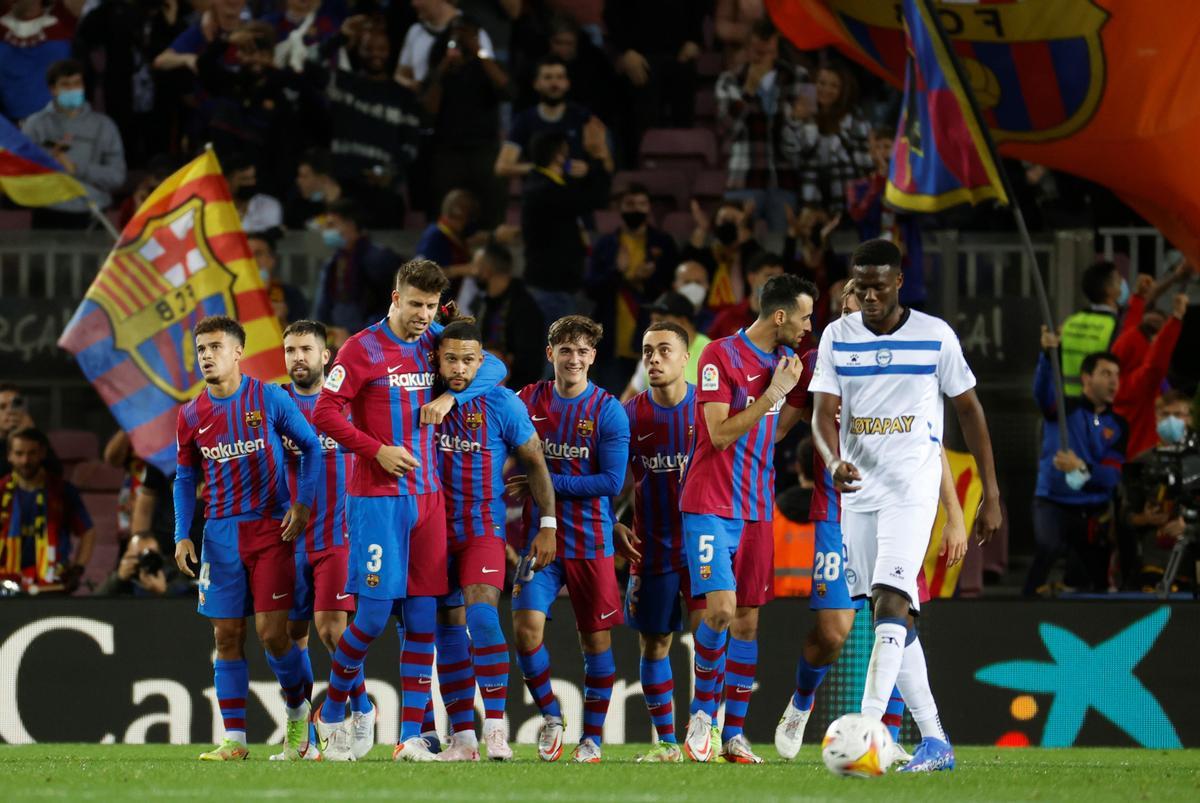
x,y
359,701
231,680
289,671
893,715
416,662
740,669
456,676
306,669
599,673
535,666
658,687
346,664
491,658
709,665
808,679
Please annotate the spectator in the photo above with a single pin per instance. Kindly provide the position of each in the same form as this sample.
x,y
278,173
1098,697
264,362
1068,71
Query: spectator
x,y
551,204
733,21
589,72
142,572
300,28
145,503
33,35
287,301
552,113
1141,320
316,188
450,242
39,514
691,282
85,142
14,416
757,105
433,23
355,285
1072,507
729,320
213,29
495,18
258,210
628,268
462,96
724,255
808,249
672,307
119,454
512,324
157,170
656,45
1093,329
875,220
831,144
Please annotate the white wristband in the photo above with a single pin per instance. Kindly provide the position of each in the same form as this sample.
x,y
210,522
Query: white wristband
x,y
548,523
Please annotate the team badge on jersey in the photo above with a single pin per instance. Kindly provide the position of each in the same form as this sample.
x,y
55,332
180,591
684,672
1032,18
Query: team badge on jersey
x,y
372,580
705,572
585,427
254,418
473,420
821,589
883,358
335,379
709,378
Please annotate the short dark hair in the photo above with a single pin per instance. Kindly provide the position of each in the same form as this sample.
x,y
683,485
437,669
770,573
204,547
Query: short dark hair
x,y
351,210
570,328
221,323
545,146
31,434
548,60
424,275
673,328
634,188
269,236
236,161
462,329
63,68
9,387
763,259
1095,281
780,293
877,253
763,29
500,257
319,160
1173,396
1094,359
307,327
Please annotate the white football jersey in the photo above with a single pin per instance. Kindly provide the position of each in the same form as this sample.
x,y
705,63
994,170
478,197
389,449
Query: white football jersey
x,y
891,388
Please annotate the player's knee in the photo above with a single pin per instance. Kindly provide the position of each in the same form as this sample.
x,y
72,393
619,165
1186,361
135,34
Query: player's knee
x,y
889,604
273,635
744,626
655,646
329,633
827,638
229,638
719,614
527,634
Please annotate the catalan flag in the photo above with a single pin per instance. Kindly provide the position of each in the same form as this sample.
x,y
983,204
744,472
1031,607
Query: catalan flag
x,y
28,174
182,257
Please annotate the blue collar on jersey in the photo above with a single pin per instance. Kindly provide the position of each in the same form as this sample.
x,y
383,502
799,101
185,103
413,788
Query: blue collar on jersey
x,y
588,391
231,396
746,339
395,338
687,398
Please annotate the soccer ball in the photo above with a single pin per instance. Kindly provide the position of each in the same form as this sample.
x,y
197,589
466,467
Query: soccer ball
x,y
856,746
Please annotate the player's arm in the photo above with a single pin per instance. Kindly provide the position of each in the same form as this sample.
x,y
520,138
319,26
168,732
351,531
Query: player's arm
x,y
825,441
291,422
509,164
614,455
724,429
343,383
492,371
541,488
975,431
184,491
954,533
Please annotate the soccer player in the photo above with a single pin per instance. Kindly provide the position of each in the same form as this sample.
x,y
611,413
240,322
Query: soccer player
x,y
231,434
888,367
394,505
727,498
475,440
585,438
830,599
323,552
661,421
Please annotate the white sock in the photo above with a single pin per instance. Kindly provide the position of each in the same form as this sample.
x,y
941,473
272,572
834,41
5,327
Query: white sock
x,y
913,681
886,657
236,736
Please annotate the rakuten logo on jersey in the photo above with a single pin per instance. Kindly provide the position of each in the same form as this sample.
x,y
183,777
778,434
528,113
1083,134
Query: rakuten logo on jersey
x,y
328,444
565,451
455,443
224,452
664,463
412,382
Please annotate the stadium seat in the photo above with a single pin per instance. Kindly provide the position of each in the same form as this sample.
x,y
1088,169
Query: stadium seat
x,y
678,224
607,220
709,185
15,219
706,108
709,65
694,148
74,445
102,507
669,189
97,476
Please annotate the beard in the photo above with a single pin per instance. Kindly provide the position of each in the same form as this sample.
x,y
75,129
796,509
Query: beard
x,y
306,380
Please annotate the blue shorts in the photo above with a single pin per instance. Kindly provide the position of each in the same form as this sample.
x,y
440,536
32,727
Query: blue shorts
x,y
591,584
245,567
829,589
654,604
710,543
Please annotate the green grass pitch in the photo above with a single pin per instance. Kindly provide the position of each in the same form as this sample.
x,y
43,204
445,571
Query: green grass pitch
x,y
170,772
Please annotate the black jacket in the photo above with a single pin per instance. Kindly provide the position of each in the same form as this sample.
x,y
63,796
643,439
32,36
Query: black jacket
x,y
555,249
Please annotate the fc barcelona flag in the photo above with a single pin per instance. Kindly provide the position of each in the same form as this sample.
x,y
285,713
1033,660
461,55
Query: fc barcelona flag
x,y
182,257
941,157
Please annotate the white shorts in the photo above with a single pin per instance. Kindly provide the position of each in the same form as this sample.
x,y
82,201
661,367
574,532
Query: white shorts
x,y
887,548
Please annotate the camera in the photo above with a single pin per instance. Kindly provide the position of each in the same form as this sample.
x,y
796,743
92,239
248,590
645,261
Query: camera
x,y
1172,474
150,561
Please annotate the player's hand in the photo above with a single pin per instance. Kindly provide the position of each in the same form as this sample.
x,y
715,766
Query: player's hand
x,y
436,411
396,460
988,519
954,540
786,376
294,521
543,548
844,474
626,543
517,487
185,552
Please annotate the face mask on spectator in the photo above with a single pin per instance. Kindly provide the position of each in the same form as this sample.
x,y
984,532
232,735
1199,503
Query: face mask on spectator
x,y
317,196
726,232
70,98
633,220
1124,297
246,192
1172,429
694,292
332,238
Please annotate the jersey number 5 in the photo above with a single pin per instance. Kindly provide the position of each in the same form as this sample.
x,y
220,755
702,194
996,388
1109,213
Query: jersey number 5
x,y
706,548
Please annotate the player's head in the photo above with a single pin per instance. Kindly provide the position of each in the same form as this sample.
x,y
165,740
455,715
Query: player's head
x,y
460,353
571,347
219,344
1100,376
416,296
27,450
875,268
664,353
786,302
306,352
849,299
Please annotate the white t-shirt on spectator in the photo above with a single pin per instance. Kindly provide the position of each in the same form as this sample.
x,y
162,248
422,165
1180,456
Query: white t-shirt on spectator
x,y
420,40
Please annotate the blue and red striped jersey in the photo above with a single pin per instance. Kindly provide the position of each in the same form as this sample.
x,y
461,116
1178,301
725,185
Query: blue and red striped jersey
x,y
660,438
237,443
475,439
327,524
737,482
586,444
385,381
826,501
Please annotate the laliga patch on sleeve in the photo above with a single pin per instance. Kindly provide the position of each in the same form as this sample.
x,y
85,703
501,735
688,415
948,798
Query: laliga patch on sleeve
x,y
336,377
710,379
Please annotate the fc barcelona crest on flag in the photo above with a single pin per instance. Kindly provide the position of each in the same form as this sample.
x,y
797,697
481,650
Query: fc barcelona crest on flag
x,y
585,427
254,418
473,420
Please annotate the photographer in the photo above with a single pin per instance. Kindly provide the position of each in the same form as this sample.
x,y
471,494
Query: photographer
x,y
143,572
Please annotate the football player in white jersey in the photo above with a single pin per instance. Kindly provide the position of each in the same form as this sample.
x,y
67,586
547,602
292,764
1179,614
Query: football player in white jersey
x,y
888,367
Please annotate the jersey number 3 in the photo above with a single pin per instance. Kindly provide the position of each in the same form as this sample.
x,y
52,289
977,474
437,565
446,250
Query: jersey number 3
x,y
375,559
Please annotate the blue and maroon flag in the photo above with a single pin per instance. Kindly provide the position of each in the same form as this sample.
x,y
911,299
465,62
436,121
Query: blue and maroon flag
x,y
29,175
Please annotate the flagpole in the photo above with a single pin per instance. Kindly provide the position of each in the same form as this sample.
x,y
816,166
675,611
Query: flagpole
x,y
1018,217
104,221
